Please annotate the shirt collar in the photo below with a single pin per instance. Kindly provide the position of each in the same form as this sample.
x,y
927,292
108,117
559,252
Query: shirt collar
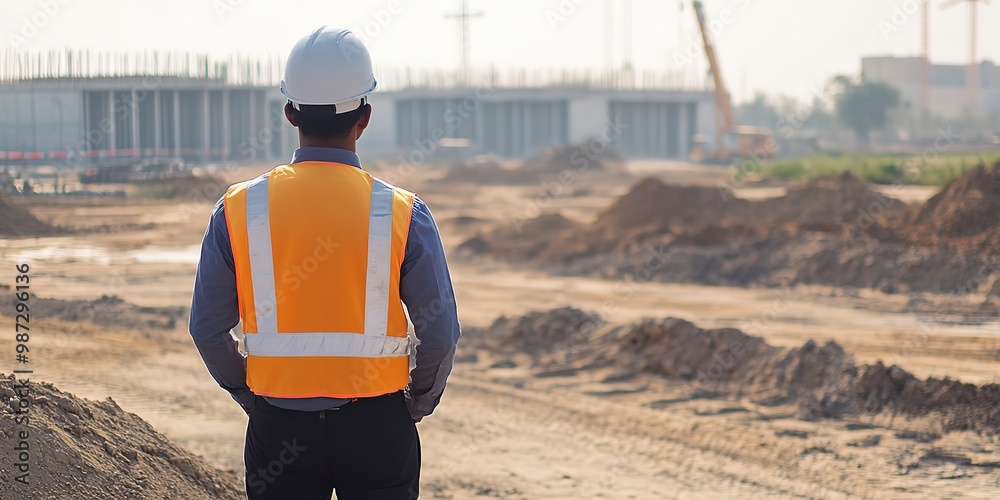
x,y
335,155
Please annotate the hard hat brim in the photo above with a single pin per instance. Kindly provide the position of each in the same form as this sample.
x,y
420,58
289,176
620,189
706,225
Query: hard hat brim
x,y
343,106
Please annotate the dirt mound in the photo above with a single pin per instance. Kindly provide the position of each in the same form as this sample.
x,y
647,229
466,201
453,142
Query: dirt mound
x,y
677,348
194,188
735,361
546,166
959,406
94,449
965,215
652,205
17,222
536,333
108,310
575,158
705,216
822,380
832,230
537,238
830,198
488,172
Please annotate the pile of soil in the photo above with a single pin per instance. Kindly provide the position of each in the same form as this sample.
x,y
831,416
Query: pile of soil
x,y
546,166
535,239
537,333
833,230
654,208
575,158
652,202
89,449
193,188
17,222
822,380
486,171
109,310
653,212
965,215
827,199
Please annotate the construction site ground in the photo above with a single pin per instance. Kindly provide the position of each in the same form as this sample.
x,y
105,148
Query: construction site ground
x,y
506,429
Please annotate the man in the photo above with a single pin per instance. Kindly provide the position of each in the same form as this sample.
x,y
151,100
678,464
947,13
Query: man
x,y
316,259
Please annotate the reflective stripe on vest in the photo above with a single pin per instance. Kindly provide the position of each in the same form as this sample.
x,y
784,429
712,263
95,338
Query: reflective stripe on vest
x,y
373,342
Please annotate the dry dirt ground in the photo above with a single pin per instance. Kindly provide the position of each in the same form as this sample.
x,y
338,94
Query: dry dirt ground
x,y
502,430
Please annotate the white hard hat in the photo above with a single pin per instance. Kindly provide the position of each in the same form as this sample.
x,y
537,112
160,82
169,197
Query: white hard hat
x,y
331,66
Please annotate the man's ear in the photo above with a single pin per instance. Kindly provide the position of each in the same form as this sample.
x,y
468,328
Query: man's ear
x,y
363,120
290,114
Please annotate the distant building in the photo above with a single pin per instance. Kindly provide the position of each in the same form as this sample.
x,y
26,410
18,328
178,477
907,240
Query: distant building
x,y
948,89
67,112
523,122
109,120
75,122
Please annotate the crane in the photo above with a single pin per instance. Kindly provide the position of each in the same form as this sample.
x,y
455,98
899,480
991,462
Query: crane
x,y
972,78
732,141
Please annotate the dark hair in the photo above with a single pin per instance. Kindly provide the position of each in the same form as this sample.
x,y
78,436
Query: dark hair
x,y
320,121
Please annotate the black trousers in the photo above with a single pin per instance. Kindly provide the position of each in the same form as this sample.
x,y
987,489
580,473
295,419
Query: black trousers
x,y
365,449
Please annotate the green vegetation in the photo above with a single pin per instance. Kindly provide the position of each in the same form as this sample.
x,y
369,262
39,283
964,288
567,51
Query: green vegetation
x,y
157,193
879,169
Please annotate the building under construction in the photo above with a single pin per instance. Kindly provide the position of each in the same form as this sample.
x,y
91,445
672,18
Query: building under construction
x,y
61,110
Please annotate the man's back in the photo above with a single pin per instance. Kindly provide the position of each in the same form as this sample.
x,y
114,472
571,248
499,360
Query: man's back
x,y
316,259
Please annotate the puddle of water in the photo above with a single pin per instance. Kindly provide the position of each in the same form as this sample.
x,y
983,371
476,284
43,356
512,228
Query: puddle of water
x,y
67,254
57,254
166,255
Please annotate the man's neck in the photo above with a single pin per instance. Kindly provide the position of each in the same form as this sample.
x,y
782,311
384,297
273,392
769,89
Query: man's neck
x,y
328,142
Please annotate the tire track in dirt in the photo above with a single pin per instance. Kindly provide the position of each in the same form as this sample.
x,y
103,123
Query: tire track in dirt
x,y
585,447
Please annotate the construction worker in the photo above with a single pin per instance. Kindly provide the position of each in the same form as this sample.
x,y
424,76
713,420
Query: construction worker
x,y
316,260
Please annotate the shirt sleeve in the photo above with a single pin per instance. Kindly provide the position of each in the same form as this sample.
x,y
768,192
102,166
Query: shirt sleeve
x,y
215,311
425,287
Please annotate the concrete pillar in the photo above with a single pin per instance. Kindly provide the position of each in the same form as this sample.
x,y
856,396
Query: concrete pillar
x,y
177,122
135,122
501,134
87,126
157,126
112,142
517,120
206,125
34,120
253,115
587,115
526,126
480,138
672,124
555,121
683,132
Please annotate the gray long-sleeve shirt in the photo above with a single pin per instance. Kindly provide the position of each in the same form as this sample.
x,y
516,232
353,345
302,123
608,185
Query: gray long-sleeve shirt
x,y
424,286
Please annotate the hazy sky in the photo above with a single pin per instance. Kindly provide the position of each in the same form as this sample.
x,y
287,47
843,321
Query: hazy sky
x,y
776,46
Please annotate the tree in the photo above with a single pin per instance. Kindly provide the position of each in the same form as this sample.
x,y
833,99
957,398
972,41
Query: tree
x,y
864,106
759,112
820,117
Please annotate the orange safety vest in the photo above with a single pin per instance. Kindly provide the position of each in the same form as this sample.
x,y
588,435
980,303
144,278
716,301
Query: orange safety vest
x,y
318,248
